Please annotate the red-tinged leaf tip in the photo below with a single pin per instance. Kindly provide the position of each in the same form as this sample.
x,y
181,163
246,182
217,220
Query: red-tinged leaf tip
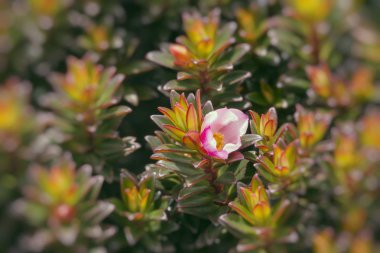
x,y
256,121
249,197
181,55
175,132
243,212
183,101
266,163
262,193
168,113
191,119
255,182
199,106
202,164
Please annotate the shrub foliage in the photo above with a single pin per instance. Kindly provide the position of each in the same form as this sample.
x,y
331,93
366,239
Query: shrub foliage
x,y
189,126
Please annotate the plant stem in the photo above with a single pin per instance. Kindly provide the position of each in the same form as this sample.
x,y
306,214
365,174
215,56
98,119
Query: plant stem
x,y
315,45
213,175
204,80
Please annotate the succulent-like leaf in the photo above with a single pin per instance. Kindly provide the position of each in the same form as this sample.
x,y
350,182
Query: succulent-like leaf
x,y
182,169
161,58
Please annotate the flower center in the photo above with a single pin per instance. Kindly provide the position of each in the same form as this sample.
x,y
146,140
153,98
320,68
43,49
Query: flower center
x,y
219,138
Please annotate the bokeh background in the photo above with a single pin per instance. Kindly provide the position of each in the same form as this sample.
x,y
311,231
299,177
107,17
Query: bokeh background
x,y
294,47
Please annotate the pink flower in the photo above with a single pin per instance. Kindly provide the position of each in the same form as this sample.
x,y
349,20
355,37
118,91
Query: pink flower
x,y
221,132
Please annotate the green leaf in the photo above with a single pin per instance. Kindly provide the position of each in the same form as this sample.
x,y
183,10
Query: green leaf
x,y
225,34
197,200
111,148
173,148
203,212
131,96
199,195
233,55
242,105
197,180
183,76
172,157
160,120
235,77
238,52
267,92
117,111
295,82
227,177
225,97
136,67
280,211
240,169
257,98
145,93
251,156
207,108
153,141
130,145
250,139
174,98
236,225
209,236
182,169
287,41
127,180
164,59
164,137
119,206
99,212
95,185
112,85
133,234
263,172
158,215
187,84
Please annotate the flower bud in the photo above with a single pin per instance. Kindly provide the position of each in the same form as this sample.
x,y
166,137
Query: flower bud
x,y
346,148
183,121
137,196
14,109
266,124
369,133
283,162
362,84
86,85
181,55
247,22
312,126
253,203
312,11
320,77
284,159
202,31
